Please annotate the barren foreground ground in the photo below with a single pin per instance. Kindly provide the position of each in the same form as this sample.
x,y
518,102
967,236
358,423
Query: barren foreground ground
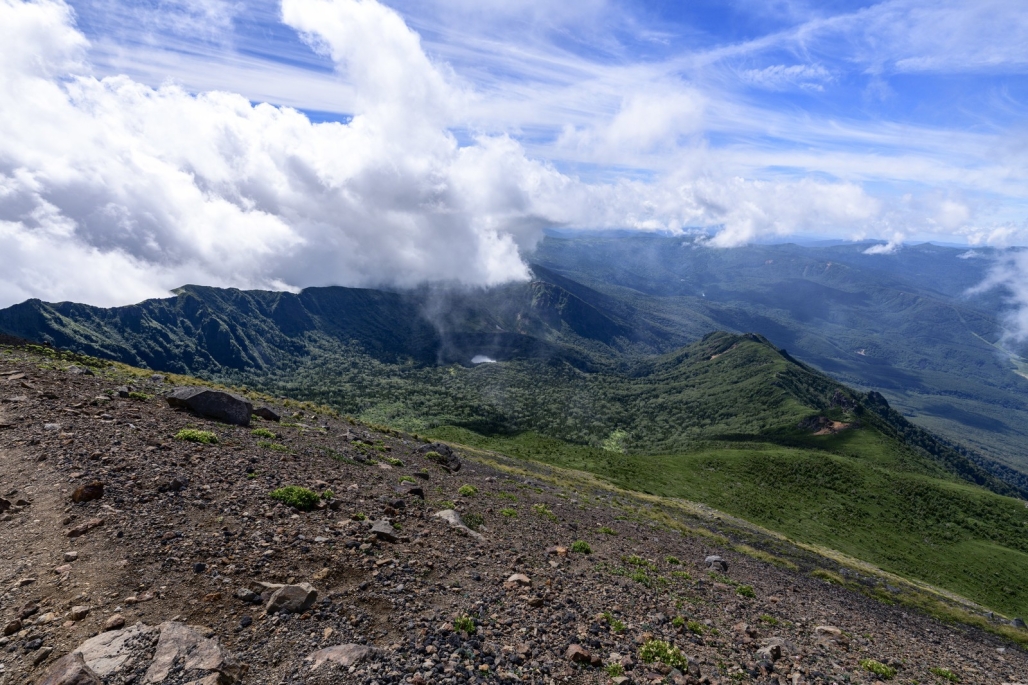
x,y
184,533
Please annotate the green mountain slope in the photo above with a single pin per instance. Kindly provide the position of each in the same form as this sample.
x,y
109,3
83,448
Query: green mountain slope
x,y
729,420
903,324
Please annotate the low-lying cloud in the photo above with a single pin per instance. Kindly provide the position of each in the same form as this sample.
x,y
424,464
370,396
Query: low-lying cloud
x,y
112,191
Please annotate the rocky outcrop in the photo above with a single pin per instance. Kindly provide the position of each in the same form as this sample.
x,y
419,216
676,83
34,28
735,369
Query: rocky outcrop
x,y
212,404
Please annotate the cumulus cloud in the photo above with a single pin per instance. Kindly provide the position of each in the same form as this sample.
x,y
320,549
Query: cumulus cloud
x,y
112,191
1010,274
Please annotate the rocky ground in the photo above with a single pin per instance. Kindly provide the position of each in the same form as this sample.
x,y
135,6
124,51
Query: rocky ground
x,y
185,570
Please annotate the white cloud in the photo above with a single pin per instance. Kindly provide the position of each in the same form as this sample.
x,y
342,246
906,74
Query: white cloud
x,y
781,77
112,190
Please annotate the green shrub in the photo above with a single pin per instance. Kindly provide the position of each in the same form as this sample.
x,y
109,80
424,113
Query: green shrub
x,y
543,511
607,531
393,461
664,652
581,547
878,668
695,627
746,591
447,504
674,561
193,435
359,517
467,491
408,479
509,513
684,575
262,433
614,670
636,560
464,624
140,396
678,622
615,624
769,619
295,496
328,494
945,674
473,521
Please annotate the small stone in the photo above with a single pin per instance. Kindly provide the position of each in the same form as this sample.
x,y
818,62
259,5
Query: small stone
x,y
51,426
267,414
384,530
87,493
294,599
42,655
343,655
12,627
716,563
245,622
115,622
78,613
64,568
199,567
517,580
71,556
578,654
84,528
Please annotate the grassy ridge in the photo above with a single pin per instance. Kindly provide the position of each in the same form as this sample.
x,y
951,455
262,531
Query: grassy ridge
x,y
850,494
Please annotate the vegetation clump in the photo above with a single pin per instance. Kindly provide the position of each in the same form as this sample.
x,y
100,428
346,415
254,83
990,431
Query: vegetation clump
x,y
581,547
473,521
945,674
509,513
467,491
746,591
296,497
663,652
878,668
464,624
198,436
262,433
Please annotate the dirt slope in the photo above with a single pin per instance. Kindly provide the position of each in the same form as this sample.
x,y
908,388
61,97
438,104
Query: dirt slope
x,y
187,529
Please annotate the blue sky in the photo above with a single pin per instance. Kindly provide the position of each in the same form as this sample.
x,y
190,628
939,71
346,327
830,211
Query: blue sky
x,y
399,129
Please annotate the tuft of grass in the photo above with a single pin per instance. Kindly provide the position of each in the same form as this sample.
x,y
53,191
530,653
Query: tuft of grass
x,y
194,435
142,396
581,547
674,561
636,560
878,668
473,521
769,619
328,494
467,491
544,511
509,513
663,652
617,625
295,496
464,624
262,433
945,674
272,446
393,461
606,530
746,591
695,627
359,517
614,670
408,479
448,504
828,576
684,575
678,622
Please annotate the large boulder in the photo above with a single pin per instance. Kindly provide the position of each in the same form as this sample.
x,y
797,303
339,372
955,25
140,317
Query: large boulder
x,y
71,669
213,404
172,652
441,454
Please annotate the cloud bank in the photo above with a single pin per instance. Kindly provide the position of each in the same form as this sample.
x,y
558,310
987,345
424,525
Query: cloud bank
x,y
112,191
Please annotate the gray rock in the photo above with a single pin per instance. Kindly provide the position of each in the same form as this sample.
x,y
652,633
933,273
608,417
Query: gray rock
x,y
716,563
453,518
342,655
294,599
214,404
71,670
441,454
267,414
110,652
1018,623
384,530
180,643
